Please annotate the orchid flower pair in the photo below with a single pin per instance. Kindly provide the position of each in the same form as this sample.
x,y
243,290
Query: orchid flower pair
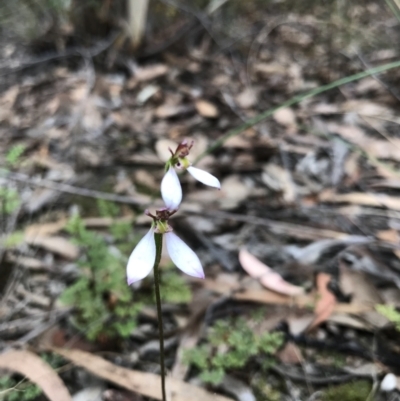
x,y
143,257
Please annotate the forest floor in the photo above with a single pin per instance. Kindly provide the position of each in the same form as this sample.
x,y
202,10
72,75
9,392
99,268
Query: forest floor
x,y
300,247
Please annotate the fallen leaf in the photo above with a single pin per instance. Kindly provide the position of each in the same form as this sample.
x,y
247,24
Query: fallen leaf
x,y
326,301
362,198
285,117
58,245
206,109
150,72
391,236
290,354
170,110
267,277
147,384
358,285
272,298
247,98
37,371
279,179
45,229
380,149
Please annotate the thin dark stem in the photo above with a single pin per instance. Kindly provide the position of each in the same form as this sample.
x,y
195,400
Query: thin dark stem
x,y
158,240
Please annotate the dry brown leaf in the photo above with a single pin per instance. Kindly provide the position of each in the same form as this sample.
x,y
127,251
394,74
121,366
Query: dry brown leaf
x,y
25,261
366,108
37,371
58,245
7,101
45,229
271,298
170,110
290,354
150,72
381,149
267,277
102,222
247,98
233,191
285,117
359,286
206,109
147,384
362,198
279,179
391,236
326,301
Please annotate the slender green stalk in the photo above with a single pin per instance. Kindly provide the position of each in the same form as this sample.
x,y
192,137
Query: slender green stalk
x,y
294,100
158,240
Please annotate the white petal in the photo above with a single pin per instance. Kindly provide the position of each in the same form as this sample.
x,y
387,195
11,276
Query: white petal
x,y
183,257
204,177
389,382
171,190
142,258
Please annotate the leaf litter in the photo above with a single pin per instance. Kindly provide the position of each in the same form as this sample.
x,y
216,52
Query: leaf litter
x,y
304,234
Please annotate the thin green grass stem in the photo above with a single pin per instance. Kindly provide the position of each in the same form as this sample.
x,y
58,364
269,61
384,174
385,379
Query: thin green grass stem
x,y
295,100
158,240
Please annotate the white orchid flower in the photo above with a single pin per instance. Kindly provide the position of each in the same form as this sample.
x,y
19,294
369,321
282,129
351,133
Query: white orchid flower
x,y
142,258
171,190
204,177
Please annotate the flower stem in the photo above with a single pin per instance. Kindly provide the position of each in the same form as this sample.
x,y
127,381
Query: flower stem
x,y
158,241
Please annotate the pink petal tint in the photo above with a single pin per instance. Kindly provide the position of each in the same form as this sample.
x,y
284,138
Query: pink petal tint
x,y
267,277
171,190
142,258
182,256
204,177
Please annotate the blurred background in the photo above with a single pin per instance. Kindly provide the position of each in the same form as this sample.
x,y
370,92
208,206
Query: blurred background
x,y
294,106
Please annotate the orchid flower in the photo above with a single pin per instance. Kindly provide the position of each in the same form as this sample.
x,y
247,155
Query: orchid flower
x,y
171,190
143,257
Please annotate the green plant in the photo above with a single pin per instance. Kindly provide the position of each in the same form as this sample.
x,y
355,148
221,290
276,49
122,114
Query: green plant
x,y
175,290
13,156
390,312
9,200
13,390
104,304
107,208
354,391
231,344
13,240
23,390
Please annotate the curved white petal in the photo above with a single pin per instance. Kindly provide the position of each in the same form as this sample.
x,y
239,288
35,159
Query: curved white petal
x,y
171,190
204,177
183,257
142,258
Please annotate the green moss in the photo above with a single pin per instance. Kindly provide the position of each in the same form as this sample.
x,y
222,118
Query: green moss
x,y
354,391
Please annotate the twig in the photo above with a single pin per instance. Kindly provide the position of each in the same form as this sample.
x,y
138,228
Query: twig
x,y
280,227
70,189
318,380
